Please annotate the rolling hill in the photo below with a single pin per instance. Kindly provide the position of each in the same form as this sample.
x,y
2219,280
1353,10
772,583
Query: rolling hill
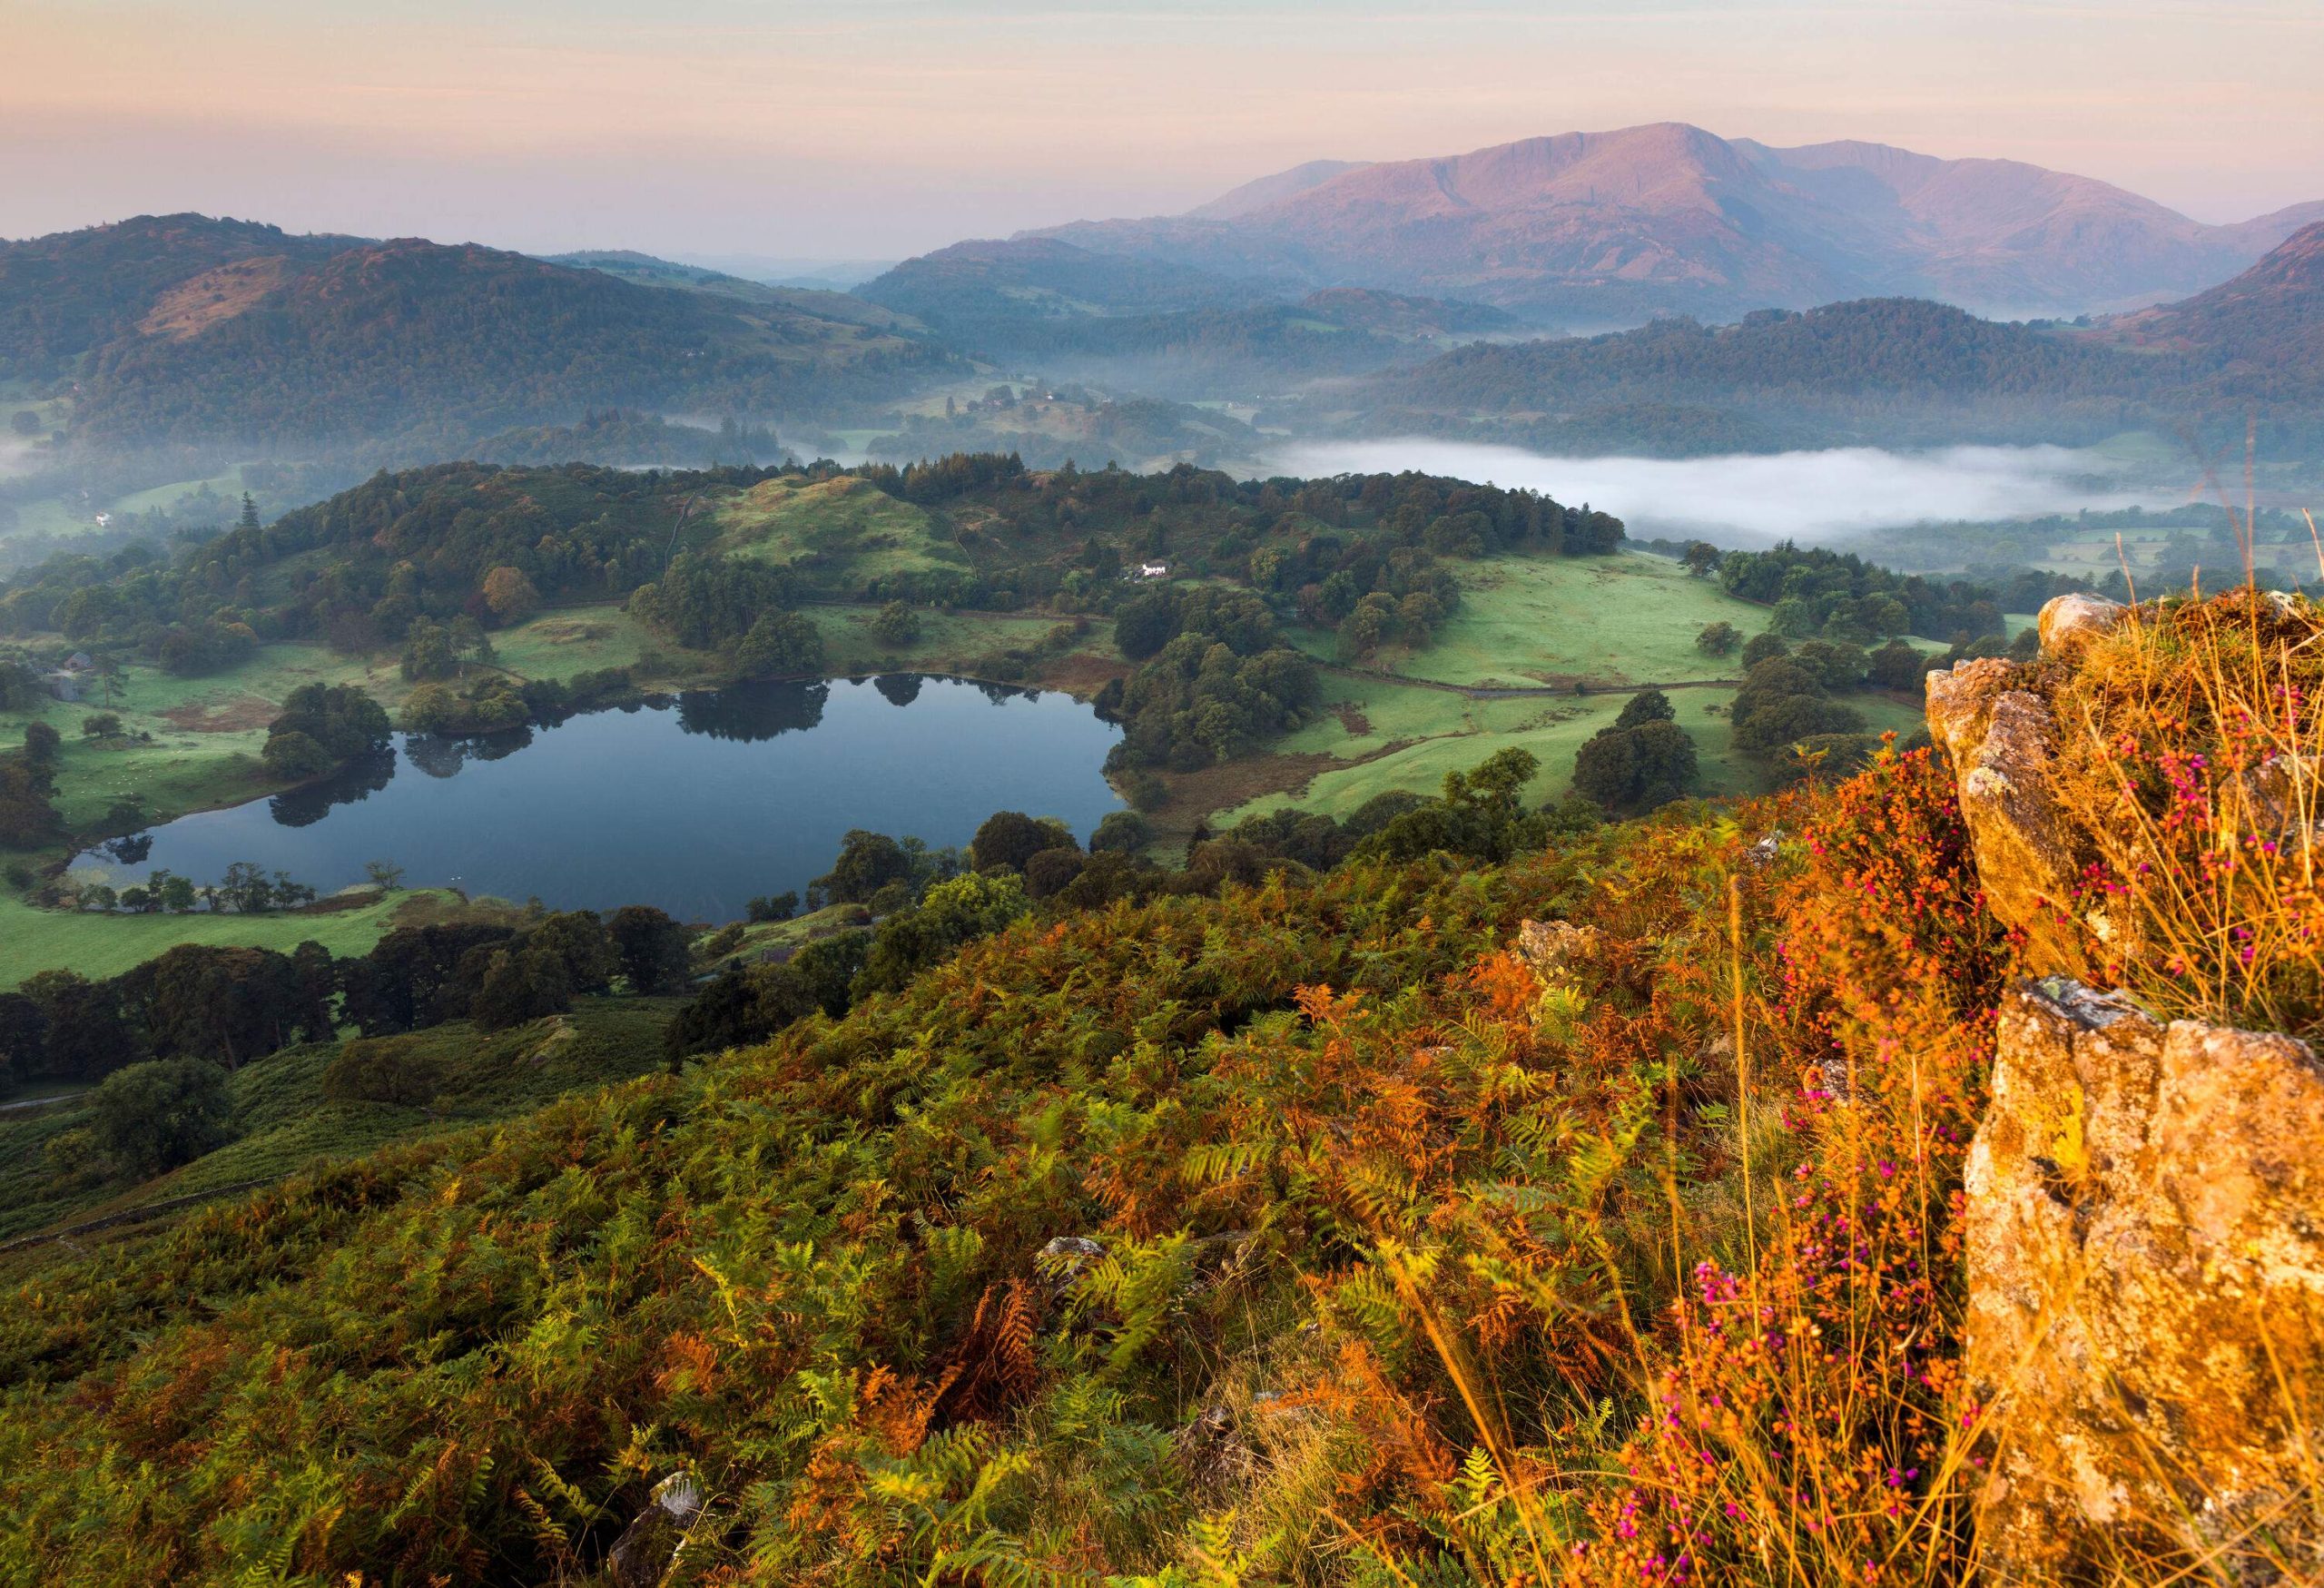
x,y
181,331
1616,227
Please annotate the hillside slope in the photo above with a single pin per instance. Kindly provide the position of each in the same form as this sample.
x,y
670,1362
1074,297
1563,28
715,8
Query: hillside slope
x,y
184,331
2264,330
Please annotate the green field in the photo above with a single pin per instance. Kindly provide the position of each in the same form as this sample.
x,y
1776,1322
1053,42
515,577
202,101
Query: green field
x,y
1628,618
285,1124
33,940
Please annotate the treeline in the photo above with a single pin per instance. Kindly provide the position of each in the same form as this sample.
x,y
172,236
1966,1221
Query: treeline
x,y
1816,591
230,1005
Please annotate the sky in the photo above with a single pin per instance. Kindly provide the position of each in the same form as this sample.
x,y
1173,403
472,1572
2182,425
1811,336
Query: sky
x,y
882,128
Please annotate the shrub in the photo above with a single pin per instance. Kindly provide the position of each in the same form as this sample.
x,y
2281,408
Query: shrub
x,y
400,1071
153,1117
1124,832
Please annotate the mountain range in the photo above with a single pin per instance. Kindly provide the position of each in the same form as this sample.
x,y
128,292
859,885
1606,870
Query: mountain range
x,y
1613,228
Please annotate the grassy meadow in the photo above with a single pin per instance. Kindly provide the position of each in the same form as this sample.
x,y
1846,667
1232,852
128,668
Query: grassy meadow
x,y
32,939
1528,621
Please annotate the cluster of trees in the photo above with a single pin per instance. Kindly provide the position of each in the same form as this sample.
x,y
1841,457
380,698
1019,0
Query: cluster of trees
x,y
1642,761
1199,701
1786,699
320,727
1838,595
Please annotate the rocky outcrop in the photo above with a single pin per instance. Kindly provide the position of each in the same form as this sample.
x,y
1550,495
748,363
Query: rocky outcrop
x,y
2002,741
2144,1218
2067,624
2145,1245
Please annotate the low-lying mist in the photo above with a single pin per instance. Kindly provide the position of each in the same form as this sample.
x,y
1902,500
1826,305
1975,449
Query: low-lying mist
x,y
1827,495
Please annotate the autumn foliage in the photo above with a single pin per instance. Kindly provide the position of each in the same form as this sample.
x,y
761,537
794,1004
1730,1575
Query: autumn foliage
x,y
1320,1232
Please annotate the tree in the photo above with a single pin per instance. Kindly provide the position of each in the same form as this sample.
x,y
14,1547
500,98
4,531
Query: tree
x,y
867,862
27,779
86,1036
651,948
1701,558
520,985
1121,832
510,595
950,914
1008,839
341,719
248,522
781,643
428,651
1637,767
26,422
1760,646
42,745
384,876
1898,666
101,724
577,940
151,1118
1718,639
383,1069
773,907
225,1005
1647,706
896,625
294,757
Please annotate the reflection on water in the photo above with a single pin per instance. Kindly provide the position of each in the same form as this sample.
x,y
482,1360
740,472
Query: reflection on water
x,y
695,802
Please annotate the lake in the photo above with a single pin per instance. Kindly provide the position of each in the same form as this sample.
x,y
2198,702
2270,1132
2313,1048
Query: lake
x,y
694,803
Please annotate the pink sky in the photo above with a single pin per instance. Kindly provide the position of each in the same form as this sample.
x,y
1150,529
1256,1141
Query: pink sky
x,y
887,127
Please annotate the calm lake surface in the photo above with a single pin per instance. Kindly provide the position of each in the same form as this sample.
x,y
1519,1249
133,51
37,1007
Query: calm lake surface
x,y
694,803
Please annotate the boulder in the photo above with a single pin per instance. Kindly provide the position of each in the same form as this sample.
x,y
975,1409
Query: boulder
x,y
2001,738
1552,948
2144,1233
2067,624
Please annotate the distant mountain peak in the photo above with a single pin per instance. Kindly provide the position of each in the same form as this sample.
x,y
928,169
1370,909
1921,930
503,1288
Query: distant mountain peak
x,y
1621,225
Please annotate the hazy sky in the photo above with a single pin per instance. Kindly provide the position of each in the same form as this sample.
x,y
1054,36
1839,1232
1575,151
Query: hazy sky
x,y
885,127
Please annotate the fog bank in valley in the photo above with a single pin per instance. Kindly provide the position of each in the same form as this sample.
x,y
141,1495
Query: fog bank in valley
x,y
1825,496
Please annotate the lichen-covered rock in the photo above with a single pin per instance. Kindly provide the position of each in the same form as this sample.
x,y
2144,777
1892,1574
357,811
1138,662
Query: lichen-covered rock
x,y
2067,624
2145,1247
2002,741
1553,947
